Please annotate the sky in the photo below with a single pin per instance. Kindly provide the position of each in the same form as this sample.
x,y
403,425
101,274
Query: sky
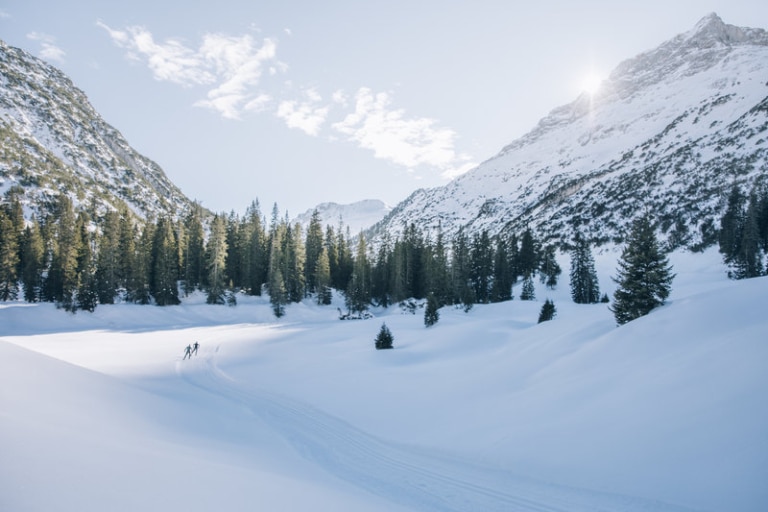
x,y
297,103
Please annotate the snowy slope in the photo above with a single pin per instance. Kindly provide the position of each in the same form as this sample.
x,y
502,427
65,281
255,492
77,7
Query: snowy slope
x,y
54,141
484,411
670,131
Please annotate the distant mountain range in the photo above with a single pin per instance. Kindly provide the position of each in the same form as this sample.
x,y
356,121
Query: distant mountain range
x,y
356,216
669,132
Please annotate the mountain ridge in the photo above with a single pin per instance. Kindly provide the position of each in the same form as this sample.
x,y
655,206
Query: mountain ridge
x,y
54,141
670,130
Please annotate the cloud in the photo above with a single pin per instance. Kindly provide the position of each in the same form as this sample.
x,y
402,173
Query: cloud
x,y
231,69
392,135
308,116
231,66
48,49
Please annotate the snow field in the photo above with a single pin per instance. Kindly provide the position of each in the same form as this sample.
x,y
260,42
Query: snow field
x,y
486,410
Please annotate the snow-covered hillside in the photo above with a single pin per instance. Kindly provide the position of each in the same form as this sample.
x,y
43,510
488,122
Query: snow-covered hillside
x,y
486,410
670,131
54,141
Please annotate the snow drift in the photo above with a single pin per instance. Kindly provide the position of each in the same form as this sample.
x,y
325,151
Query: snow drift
x,y
484,411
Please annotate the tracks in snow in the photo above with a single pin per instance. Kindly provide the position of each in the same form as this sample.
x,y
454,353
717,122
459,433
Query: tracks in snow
x,y
401,475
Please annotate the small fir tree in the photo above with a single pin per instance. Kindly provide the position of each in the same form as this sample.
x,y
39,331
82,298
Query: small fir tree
x,y
550,269
528,292
548,311
431,313
384,339
644,274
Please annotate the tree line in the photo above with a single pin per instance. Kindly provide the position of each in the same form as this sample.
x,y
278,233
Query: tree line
x,y
78,262
743,237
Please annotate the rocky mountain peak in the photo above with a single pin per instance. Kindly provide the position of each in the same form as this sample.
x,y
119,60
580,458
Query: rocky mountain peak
x,y
670,131
54,142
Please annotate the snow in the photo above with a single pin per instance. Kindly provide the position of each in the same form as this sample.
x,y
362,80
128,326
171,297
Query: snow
x,y
679,108
486,410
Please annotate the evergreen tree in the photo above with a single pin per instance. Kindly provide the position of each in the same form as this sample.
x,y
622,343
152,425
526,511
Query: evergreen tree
x,y
548,311
333,253
644,274
381,274
87,296
278,294
528,292
215,261
584,285
463,292
748,260
313,248
440,279
550,269
193,250
358,293
431,313
503,277
323,279
164,265
295,259
107,273
413,248
233,258
9,258
62,277
384,339
763,218
527,259
732,226
398,274
481,275
138,287
342,273
513,257
33,260
258,249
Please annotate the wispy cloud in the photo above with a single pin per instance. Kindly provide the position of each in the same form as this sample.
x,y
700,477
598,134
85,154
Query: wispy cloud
x,y
393,135
231,66
48,49
307,115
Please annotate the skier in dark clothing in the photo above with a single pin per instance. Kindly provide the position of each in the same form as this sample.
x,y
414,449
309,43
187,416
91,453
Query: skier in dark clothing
x,y
187,352
195,347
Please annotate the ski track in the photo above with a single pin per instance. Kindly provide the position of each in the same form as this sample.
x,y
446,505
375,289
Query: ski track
x,y
400,474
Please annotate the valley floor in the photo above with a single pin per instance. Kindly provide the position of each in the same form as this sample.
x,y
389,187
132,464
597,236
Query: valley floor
x,y
486,410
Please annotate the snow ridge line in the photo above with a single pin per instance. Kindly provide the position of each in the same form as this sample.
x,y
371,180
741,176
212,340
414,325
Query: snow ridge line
x,y
401,474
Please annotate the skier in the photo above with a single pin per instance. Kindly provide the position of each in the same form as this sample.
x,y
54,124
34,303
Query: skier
x,y
195,347
187,352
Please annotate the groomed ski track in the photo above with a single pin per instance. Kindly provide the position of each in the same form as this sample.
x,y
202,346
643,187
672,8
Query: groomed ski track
x,y
404,475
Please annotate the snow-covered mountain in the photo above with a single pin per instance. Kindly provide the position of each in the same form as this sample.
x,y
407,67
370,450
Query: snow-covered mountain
x,y
54,141
357,216
670,131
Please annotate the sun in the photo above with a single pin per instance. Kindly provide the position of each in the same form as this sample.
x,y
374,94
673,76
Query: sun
x,y
591,83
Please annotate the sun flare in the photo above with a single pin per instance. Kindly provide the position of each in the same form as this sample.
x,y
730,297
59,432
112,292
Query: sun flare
x,y
591,83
